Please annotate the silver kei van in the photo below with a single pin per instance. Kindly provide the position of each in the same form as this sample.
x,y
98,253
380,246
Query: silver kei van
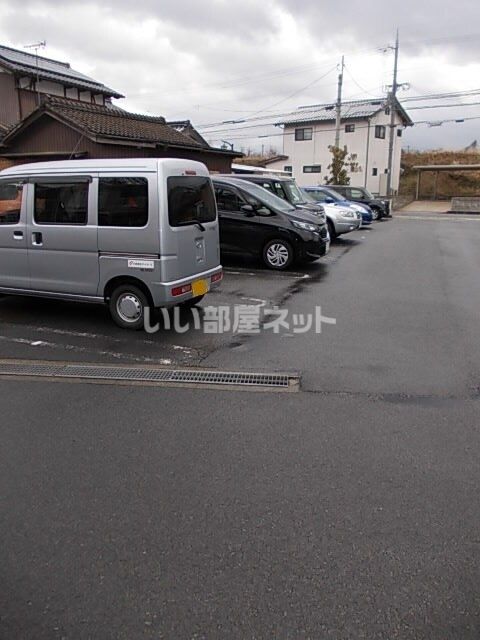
x,y
133,233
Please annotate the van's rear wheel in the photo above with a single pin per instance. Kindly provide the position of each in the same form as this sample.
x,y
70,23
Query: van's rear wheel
x,y
127,307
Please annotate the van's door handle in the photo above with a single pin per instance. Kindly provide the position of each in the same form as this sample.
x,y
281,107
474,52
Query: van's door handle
x,y
18,235
37,239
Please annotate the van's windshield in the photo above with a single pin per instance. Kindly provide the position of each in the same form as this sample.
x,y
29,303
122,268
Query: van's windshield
x,y
190,200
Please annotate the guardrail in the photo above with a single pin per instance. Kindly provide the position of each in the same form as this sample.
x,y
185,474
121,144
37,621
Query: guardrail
x,y
466,205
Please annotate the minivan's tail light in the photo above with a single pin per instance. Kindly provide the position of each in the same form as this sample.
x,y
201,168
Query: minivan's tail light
x,y
179,291
217,277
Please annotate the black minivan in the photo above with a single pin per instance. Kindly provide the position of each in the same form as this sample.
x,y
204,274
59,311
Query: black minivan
x,y
256,222
286,188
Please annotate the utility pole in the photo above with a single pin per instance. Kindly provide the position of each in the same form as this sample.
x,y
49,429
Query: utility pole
x,y
392,104
339,105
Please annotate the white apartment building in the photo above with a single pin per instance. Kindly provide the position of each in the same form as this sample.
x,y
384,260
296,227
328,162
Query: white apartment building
x,y
365,130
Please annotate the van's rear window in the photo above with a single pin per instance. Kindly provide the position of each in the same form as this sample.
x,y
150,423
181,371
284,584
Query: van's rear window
x,y
190,200
122,202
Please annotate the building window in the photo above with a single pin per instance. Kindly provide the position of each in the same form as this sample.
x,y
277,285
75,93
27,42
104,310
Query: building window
x,y
380,131
10,202
288,168
387,111
349,128
399,133
374,171
312,168
61,203
122,202
304,134
386,171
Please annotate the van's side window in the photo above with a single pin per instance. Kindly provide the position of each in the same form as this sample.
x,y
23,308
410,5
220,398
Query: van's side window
x,y
61,203
190,200
122,202
10,202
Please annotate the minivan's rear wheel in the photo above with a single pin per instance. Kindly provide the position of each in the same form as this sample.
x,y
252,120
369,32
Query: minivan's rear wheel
x,y
278,254
127,307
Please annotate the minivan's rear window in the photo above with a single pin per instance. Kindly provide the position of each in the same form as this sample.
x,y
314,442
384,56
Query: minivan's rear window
x,y
122,202
190,200
10,202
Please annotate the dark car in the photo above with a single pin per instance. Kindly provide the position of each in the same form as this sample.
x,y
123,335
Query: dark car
x,y
363,196
285,188
256,222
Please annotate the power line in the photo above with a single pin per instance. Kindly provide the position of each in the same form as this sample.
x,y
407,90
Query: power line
x,y
442,106
458,120
310,84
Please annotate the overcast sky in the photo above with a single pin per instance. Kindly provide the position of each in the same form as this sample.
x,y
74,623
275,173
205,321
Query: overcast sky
x,y
217,60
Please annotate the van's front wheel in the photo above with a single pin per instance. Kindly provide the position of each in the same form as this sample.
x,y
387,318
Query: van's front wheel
x,y
127,307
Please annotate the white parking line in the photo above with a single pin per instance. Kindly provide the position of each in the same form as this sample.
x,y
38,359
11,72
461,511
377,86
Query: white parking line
x,y
77,349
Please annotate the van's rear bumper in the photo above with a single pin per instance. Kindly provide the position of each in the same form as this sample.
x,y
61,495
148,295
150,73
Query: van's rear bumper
x,y
162,292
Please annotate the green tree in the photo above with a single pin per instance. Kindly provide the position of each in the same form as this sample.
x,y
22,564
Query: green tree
x,y
340,165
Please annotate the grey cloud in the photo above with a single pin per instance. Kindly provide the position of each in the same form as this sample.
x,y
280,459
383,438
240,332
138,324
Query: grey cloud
x,y
424,24
247,20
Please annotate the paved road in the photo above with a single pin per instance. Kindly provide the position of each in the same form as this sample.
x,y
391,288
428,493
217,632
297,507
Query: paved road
x,y
348,510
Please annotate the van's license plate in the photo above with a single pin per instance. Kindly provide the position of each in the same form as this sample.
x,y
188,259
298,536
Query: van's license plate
x,y
199,287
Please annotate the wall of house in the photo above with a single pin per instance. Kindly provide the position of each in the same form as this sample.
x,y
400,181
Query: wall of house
x,y
5,163
28,102
16,103
49,135
9,109
315,152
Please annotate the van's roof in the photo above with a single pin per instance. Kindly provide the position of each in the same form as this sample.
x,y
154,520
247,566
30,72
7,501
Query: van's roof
x,y
93,166
255,177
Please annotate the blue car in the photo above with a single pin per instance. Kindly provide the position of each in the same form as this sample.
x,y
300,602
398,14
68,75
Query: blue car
x,y
329,196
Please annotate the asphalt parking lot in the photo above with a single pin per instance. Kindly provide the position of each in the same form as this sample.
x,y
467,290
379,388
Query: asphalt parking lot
x,y
347,509
57,330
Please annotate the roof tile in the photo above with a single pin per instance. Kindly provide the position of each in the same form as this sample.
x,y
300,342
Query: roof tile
x,y
110,122
47,69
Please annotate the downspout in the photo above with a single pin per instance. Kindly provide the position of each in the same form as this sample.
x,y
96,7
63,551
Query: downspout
x,y
366,155
17,83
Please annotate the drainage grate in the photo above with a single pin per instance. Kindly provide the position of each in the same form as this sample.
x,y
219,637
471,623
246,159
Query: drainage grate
x,y
277,381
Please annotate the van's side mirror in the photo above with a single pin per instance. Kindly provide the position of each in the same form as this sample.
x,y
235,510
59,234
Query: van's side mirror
x,y
248,210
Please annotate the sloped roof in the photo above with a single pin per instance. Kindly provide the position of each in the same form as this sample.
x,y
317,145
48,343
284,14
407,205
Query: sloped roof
x,y
275,159
355,109
29,64
107,123
187,128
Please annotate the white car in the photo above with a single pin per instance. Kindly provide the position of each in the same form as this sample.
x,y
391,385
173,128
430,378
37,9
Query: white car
x,y
341,220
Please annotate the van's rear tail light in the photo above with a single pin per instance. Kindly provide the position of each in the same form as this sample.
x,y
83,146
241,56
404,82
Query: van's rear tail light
x,y
190,172
179,291
217,277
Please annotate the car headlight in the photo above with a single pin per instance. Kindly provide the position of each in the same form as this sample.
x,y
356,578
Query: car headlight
x,y
305,226
348,214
